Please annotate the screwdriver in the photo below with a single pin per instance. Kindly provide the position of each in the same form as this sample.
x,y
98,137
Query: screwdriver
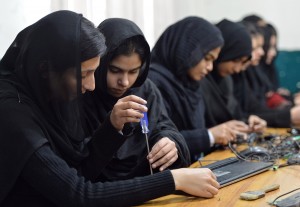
x,y
145,130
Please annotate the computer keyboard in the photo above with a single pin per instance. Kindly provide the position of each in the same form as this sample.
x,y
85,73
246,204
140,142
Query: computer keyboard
x,y
220,163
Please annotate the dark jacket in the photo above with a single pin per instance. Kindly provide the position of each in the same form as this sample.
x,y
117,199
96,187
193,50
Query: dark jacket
x,y
251,105
220,103
182,46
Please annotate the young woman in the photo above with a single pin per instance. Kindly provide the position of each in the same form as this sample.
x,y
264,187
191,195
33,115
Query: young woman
x,y
221,105
278,97
259,82
47,160
121,79
183,56
249,90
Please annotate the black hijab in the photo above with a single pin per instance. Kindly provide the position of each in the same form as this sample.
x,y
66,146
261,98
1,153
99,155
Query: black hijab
x,y
237,44
269,69
237,41
117,30
8,61
182,46
221,105
43,53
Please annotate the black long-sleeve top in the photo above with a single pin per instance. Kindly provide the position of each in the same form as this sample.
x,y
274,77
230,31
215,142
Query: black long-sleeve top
x,y
34,174
250,105
130,160
220,103
47,180
186,113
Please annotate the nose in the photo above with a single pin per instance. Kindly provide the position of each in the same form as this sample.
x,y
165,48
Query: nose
x,y
88,83
262,52
209,66
123,80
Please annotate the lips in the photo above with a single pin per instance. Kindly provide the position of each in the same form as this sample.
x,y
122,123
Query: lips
x,y
203,74
117,91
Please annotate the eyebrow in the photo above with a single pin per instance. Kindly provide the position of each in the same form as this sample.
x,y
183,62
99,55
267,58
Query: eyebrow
x,y
124,69
88,70
211,55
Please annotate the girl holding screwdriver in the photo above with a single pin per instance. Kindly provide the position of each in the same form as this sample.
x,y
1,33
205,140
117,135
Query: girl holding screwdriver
x,y
121,90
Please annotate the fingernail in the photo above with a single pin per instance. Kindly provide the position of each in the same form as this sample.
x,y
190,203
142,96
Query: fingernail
x,y
161,169
144,101
153,166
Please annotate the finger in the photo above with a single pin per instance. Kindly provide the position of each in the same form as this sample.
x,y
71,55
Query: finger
x,y
169,163
162,143
162,153
232,136
134,98
130,119
245,128
213,176
214,188
216,184
133,105
170,156
241,124
130,113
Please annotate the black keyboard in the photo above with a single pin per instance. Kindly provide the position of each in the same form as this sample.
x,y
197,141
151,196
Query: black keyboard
x,y
220,163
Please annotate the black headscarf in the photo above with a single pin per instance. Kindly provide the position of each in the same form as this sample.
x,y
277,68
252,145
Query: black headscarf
x,y
117,30
44,52
221,104
253,18
269,69
183,45
237,41
8,61
238,44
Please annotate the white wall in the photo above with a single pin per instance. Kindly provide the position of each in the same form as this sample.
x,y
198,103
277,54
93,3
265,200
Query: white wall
x,y
153,16
283,14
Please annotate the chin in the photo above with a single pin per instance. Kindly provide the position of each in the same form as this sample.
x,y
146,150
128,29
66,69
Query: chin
x,y
116,95
199,78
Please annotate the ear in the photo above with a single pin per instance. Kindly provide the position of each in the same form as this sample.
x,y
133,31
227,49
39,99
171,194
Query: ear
x,y
43,69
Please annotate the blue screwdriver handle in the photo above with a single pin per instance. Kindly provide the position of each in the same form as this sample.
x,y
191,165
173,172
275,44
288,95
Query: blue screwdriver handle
x,y
144,123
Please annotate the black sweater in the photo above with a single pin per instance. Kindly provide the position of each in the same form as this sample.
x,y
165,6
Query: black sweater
x,y
47,180
251,105
130,160
36,175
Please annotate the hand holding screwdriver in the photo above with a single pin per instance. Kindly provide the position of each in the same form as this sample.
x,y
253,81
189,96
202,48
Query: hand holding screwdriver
x,y
145,130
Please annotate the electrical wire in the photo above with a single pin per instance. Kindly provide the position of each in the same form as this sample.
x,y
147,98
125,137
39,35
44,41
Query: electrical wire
x,y
273,202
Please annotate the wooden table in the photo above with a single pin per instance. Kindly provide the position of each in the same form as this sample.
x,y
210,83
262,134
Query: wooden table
x,y
287,177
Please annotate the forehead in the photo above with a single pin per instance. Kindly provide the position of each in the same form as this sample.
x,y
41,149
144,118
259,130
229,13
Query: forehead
x,y
260,38
214,52
127,62
90,64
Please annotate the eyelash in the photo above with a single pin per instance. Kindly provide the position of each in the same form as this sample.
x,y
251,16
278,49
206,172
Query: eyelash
x,y
208,58
112,70
133,72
